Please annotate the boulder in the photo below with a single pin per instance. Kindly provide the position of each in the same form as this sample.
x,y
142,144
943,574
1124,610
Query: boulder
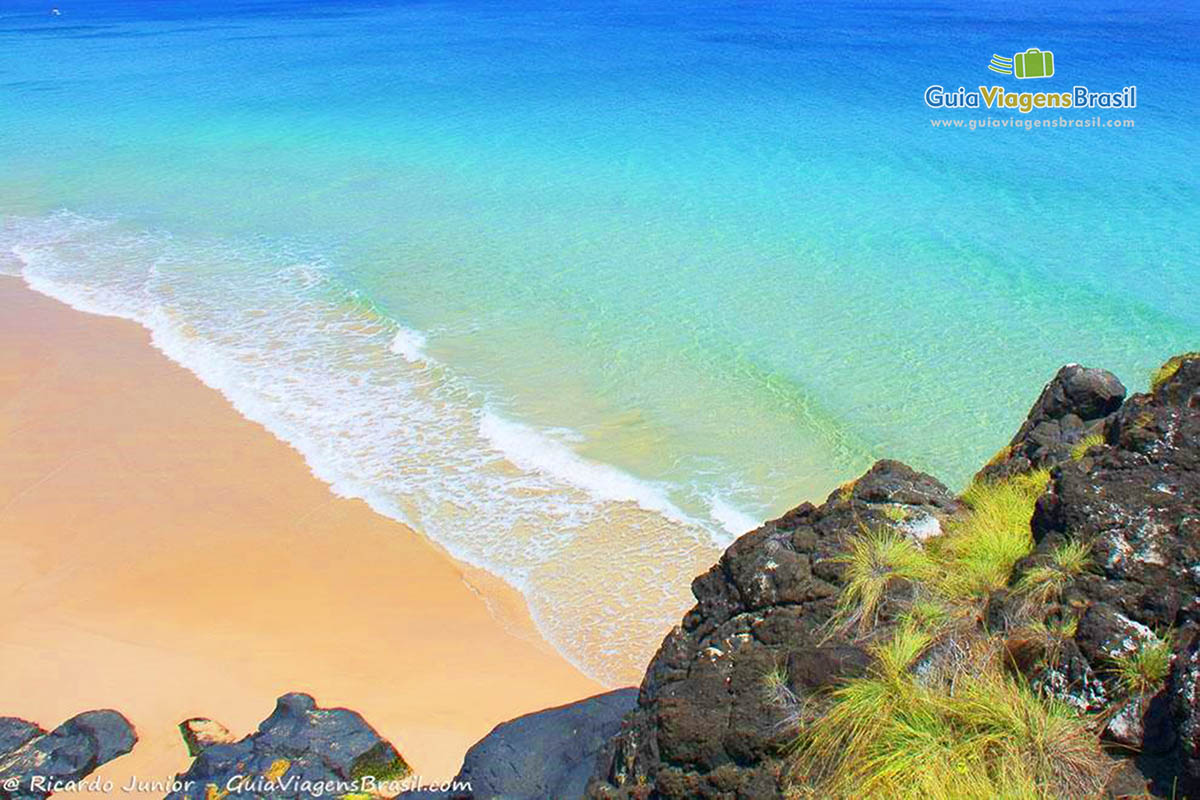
x,y
1073,405
547,754
299,747
729,688
16,732
33,761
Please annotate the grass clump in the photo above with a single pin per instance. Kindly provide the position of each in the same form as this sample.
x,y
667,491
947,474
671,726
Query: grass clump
x,y
940,716
927,614
1145,668
1040,641
979,551
1168,370
877,558
1046,581
974,556
887,735
1086,443
1062,628
776,690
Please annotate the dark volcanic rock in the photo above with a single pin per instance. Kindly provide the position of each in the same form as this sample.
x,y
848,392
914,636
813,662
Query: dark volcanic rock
x,y
1135,501
300,751
1183,693
37,760
1072,405
708,723
16,732
547,754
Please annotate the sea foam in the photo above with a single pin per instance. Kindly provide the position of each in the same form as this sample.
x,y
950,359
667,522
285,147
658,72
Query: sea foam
x,y
269,327
410,345
535,451
732,520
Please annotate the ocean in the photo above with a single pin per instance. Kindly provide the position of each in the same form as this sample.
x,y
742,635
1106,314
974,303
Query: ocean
x,y
583,290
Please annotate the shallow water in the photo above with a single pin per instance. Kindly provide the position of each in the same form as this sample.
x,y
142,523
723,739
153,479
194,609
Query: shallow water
x,y
582,292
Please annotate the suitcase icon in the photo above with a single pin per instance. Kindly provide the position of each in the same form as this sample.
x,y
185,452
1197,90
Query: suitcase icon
x,y
1034,63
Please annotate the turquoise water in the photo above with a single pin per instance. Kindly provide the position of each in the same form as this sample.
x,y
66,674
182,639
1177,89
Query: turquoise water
x,y
583,290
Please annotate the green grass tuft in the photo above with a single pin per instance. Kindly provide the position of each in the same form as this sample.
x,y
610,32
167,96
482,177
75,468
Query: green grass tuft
x,y
1168,370
958,726
875,559
990,736
1072,557
1145,669
979,551
1046,581
1086,443
927,614
776,690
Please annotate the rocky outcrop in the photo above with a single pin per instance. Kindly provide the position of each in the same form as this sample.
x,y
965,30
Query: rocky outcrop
x,y
707,724
547,754
1134,501
34,763
1074,404
300,751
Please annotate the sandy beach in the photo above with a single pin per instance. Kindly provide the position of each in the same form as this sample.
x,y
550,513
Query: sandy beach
x,y
168,558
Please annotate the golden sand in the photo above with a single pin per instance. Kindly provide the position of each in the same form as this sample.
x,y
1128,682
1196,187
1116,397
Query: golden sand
x,y
168,558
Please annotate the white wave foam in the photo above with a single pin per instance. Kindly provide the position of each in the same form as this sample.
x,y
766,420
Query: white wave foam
x,y
532,450
732,519
410,345
294,351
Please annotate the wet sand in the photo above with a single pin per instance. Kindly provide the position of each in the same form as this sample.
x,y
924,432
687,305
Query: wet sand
x,y
168,558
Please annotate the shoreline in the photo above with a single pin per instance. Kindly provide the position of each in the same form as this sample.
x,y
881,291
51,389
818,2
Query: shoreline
x,y
174,559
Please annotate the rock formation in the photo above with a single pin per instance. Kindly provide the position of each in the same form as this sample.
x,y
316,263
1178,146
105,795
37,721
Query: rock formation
x,y
34,763
706,725
1075,404
300,751
1123,493
1134,502
547,754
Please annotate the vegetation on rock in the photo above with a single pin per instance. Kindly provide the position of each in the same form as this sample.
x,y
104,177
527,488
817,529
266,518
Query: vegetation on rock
x,y
1145,667
1168,370
897,641
1086,443
941,713
979,551
902,732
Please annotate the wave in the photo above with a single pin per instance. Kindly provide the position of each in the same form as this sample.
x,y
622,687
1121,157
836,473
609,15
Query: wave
x,y
732,520
269,326
534,451
410,345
